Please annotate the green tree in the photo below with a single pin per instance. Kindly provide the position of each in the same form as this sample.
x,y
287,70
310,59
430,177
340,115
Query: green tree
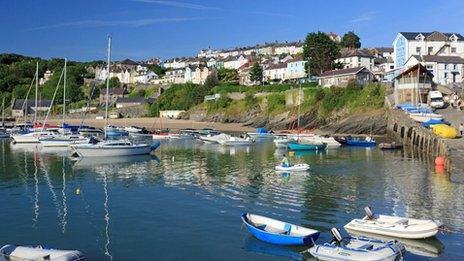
x,y
256,73
227,75
351,40
211,81
159,70
320,52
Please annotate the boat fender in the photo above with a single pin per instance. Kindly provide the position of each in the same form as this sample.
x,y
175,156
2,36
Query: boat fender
x,y
369,213
337,236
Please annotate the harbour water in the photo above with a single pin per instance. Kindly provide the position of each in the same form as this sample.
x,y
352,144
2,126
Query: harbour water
x,y
185,202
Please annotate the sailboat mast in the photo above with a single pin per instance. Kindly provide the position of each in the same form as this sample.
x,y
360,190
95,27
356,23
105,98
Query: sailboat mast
x,y
3,112
64,91
108,83
36,90
299,107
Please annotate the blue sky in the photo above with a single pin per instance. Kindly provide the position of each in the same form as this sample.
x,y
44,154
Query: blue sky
x,y
163,28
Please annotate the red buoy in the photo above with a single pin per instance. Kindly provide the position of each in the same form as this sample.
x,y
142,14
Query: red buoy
x,y
439,161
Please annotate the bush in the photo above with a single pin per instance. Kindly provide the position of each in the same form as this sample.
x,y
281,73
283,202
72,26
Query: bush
x,y
221,103
250,100
276,103
319,95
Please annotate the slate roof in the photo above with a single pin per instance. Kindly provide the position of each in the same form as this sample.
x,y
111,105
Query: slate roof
x,y
440,59
347,71
131,100
413,35
346,52
116,91
18,103
277,66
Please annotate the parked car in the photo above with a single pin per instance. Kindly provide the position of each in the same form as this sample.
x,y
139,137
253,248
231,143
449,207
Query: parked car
x,y
436,100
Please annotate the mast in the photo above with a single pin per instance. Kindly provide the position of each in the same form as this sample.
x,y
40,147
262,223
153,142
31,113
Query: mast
x,y
64,92
107,83
3,112
36,90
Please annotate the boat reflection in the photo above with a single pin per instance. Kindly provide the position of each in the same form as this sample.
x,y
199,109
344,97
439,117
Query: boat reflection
x,y
98,161
254,245
429,247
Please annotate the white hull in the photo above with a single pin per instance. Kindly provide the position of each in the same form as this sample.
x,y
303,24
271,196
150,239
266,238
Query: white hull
x,y
297,167
395,227
215,138
160,137
91,150
33,137
234,141
12,252
63,143
256,135
330,142
423,117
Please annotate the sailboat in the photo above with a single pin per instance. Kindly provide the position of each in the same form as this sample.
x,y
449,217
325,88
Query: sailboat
x,y
111,148
297,144
3,133
32,137
64,138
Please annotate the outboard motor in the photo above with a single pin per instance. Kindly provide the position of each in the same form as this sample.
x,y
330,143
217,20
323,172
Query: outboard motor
x,y
369,213
337,239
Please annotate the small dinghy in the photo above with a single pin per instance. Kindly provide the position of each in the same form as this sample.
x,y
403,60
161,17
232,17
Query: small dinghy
x,y
296,167
399,227
278,232
12,252
357,248
303,146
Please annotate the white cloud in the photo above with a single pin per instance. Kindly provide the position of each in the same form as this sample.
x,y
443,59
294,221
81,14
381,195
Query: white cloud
x,y
363,17
177,4
129,23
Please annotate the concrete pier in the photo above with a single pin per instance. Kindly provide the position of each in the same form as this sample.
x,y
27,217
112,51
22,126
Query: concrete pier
x,y
410,133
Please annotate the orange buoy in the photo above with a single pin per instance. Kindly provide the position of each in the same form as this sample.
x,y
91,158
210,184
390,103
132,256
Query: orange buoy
x,y
440,169
439,161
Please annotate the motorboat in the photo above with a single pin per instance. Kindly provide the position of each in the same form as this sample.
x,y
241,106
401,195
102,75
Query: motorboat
x,y
399,227
235,141
296,167
13,252
305,146
367,142
281,141
63,140
135,129
208,131
214,138
423,117
278,232
329,141
113,148
261,133
32,137
357,248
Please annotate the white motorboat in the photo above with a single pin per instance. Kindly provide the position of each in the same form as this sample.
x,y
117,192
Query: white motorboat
x,y
134,129
32,137
215,138
261,133
235,141
112,149
329,141
399,227
296,167
12,252
63,140
357,248
281,141
423,117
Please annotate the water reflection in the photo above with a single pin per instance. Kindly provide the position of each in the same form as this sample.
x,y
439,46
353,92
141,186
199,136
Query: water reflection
x,y
187,182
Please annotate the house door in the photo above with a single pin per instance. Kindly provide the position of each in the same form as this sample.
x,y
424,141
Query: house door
x,y
454,77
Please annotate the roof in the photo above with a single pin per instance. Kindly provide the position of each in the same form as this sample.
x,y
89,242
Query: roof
x,y
18,103
116,91
384,49
430,35
415,67
347,52
131,100
347,71
439,59
277,66
294,60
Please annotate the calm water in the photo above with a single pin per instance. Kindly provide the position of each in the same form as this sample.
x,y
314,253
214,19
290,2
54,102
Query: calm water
x,y
185,202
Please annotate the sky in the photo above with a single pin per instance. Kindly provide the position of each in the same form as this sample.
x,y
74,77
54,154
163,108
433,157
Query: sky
x,y
142,29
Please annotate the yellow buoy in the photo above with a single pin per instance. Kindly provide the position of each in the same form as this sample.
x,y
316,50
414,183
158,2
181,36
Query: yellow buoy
x,y
445,131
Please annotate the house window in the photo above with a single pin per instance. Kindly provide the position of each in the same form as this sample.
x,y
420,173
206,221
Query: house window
x,y
430,50
446,66
446,75
429,66
418,49
453,49
455,66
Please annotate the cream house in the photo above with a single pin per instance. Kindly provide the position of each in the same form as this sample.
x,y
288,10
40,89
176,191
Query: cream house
x,y
353,58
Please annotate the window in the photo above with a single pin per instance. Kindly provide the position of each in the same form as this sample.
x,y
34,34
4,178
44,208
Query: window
x,y
418,49
455,66
430,50
453,49
446,66
446,75
429,66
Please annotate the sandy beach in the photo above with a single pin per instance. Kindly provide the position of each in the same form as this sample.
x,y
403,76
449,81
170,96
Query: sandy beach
x,y
156,123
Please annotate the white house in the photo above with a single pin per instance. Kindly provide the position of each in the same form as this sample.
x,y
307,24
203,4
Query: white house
x,y
196,74
354,58
275,72
145,77
235,62
445,69
172,76
407,44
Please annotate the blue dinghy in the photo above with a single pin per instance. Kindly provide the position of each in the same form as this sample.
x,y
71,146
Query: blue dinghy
x,y
302,146
361,143
278,232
